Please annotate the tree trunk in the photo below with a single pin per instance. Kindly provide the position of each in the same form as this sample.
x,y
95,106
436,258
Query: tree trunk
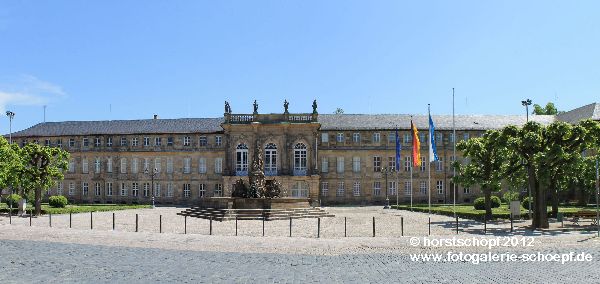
x,y
582,200
555,199
540,212
38,201
487,193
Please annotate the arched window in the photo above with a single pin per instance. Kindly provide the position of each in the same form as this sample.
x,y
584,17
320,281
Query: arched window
x,y
241,160
271,159
300,159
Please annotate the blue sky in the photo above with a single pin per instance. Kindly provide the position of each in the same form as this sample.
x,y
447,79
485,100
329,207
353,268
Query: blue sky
x,y
130,59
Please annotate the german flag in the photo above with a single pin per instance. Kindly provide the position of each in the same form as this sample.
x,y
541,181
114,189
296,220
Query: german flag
x,y
416,145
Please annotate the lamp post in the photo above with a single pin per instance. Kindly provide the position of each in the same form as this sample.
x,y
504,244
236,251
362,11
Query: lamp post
x,y
10,115
385,171
152,175
526,103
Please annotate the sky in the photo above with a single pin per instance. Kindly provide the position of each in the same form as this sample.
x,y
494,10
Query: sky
x,y
107,60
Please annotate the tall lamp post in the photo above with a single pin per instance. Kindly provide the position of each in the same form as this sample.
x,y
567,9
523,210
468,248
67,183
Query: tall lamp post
x,y
10,115
385,171
526,103
152,175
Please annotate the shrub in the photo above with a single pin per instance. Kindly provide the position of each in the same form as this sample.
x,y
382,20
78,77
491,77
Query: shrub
x,y
479,203
15,200
57,201
510,196
525,203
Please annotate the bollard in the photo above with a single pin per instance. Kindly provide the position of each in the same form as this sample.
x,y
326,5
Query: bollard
x,y
457,225
50,219
402,226
236,218
511,224
136,223
429,225
484,225
263,223
113,221
185,224
318,227
373,226
345,227
159,224
290,226
30,213
10,213
91,220
210,226
70,219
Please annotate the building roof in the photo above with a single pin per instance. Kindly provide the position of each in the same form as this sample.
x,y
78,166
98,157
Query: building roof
x,y
113,127
441,122
591,111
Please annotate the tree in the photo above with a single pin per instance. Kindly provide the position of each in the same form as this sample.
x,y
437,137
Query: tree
x,y
42,167
10,165
550,109
339,111
486,157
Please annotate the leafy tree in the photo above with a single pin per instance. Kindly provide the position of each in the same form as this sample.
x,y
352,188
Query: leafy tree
x,y
42,167
10,165
550,109
339,111
486,157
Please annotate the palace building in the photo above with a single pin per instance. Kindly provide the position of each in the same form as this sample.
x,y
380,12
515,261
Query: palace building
x,y
328,158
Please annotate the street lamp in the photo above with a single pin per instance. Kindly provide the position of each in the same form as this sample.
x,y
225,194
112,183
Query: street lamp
x,y
154,173
10,115
385,171
526,103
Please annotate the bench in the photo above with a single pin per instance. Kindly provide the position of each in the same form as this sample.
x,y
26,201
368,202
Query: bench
x,y
583,215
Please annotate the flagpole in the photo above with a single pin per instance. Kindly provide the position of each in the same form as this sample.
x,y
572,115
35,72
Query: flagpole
x,y
429,162
412,161
397,169
453,156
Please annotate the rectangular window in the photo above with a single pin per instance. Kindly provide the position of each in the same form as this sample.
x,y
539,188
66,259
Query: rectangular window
x,y
59,143
97,165
324,188
466,136
423,163
134,165
218,190
392,137
340,164
169,165
86,142
356,137
146,189
201,190
218,165
109,141
324,164
377,188
187,165
467,190
71,142
202,141
157,141
218,141
146,141
423,139
187,140
340,137
71,166
109,189
109,165
340,189
376,137
407,163
376,163
47,143
170,189
356,164
123,165
356,189
324,137
157,189
123,141
134,141
202,165
97,142
97,189
85,188
59,188
407,187
392,163
451,137
439,164
71,188
438,138
135,189
84,165
157,165
392,187
423,187
169,141
407,138
147,165
123,189
439,185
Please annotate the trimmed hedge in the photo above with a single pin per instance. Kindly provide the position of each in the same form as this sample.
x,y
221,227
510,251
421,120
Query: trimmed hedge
x,y
525,203
479,203
57,201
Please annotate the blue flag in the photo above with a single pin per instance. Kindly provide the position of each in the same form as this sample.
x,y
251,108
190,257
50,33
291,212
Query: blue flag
x,y
398,149
432,149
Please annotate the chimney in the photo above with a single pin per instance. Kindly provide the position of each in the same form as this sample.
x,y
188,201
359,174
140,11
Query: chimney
x,y
156,116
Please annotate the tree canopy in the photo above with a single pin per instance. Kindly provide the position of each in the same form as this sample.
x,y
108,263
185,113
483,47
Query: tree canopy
x,y
549,109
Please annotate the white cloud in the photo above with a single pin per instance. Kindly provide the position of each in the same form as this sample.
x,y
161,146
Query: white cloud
x,y
28,90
